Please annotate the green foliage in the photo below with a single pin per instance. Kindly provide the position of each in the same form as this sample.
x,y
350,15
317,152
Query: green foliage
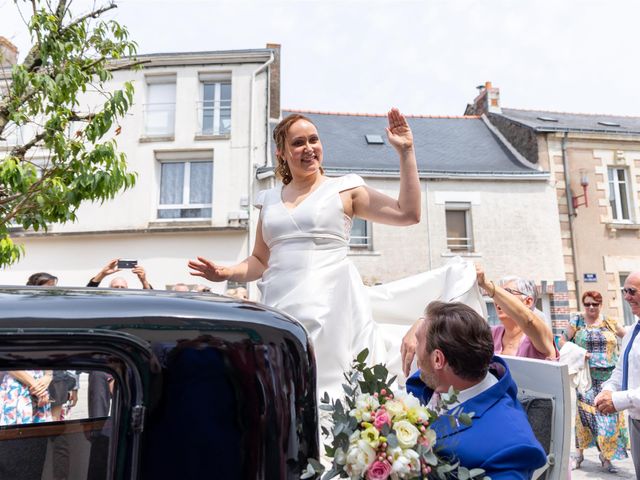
x,y
69,156
373,382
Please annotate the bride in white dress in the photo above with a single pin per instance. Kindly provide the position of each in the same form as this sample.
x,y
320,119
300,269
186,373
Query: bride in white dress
x,y
302,241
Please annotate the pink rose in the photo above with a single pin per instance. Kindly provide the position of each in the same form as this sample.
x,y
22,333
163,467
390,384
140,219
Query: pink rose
x,y
379,470
381,418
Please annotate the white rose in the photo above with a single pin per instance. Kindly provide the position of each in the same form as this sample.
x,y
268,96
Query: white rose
x,y
409,400
395,408
354,437
339,456
414,459
407,433
401,465
367,402
405,462
359,456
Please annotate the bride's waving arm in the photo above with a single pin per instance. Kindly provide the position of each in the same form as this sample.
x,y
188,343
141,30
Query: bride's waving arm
x,y
248,270
372,205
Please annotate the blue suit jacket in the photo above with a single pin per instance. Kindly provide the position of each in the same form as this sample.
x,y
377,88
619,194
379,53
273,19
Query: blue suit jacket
x,y
499,439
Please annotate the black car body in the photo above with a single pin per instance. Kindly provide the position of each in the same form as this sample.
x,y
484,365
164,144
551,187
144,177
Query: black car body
x,y
205,386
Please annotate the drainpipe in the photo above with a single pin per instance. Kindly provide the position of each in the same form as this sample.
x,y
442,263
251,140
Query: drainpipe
x,y
426,206
572,215
258,70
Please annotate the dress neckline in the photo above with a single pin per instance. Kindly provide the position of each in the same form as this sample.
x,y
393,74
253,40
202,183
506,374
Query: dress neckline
x,y
291,210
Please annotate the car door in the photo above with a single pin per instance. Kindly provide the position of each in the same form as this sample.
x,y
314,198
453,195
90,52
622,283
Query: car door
x,y
98,437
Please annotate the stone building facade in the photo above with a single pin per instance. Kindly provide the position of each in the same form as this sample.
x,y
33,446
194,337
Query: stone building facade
x,y
594,163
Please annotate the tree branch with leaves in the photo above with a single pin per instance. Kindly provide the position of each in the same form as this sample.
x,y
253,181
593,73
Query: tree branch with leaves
x,y
64,151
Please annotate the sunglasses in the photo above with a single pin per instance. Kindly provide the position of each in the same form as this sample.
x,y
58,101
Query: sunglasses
x,y
594,305
513,291
629,291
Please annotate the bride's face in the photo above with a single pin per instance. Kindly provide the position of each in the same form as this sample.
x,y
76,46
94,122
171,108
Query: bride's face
x,y
303,149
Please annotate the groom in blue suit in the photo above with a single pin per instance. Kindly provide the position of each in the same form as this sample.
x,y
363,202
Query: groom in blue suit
x,y
455,349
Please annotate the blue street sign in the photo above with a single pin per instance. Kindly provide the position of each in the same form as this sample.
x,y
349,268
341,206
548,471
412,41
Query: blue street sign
x,y
590,277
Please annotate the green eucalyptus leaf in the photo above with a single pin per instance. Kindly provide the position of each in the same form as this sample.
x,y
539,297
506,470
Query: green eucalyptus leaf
x,y
362,356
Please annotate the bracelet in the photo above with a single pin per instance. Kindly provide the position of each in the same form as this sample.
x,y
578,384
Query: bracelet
x,y
493,289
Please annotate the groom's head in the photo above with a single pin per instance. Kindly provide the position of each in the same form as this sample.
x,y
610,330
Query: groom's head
x,y
454,345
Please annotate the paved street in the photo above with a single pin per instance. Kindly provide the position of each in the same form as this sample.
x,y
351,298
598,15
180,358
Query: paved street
x,y
591,467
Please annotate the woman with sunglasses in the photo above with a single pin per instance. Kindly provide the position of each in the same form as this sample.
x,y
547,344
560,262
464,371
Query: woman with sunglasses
x,y
598,335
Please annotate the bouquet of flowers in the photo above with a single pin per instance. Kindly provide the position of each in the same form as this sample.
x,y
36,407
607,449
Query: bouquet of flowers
x,y
377,434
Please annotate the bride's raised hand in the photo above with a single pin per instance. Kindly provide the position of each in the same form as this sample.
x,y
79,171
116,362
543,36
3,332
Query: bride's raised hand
x,y
398,131
209,270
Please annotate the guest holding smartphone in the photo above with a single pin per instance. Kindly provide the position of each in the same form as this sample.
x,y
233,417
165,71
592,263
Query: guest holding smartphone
x,y
119,282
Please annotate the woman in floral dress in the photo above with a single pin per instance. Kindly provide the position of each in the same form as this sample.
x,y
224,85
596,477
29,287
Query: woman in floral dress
x,y
598,335
24,397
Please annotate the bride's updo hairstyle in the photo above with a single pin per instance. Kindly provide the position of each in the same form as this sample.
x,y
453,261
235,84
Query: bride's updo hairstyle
x,y
280,137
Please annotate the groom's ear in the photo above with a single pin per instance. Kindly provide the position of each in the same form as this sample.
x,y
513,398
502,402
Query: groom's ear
x,y
438,359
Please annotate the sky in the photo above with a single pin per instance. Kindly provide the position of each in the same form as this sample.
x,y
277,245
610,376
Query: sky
x,y
426,57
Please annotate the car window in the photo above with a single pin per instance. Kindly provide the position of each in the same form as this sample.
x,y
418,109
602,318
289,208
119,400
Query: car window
x,y
57,423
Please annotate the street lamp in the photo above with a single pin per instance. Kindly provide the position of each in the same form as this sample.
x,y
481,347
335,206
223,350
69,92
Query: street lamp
x,y
584,181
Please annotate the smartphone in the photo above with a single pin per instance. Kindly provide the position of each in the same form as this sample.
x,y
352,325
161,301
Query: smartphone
x,y
127,263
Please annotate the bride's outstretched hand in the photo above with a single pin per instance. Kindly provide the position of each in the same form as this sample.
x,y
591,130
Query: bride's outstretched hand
x,y
209,270
398,131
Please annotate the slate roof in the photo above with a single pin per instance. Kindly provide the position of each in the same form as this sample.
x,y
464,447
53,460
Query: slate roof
x,y
445,146
542,121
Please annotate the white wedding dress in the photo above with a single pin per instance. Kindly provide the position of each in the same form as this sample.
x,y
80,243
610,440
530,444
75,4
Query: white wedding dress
x,y
310,277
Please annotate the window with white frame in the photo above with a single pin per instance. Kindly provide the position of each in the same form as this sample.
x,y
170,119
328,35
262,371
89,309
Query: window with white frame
x,y
160,109
619,193
360,233
186,186
214,110
458,221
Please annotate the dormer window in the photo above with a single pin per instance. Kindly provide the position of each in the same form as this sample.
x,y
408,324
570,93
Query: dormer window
x,y
374,139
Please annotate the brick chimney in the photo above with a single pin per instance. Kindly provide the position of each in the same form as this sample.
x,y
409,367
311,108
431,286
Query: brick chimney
x,y
274,82
487,101
8,53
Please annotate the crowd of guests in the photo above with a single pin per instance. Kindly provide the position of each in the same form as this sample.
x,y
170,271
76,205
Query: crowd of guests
x,y
34,396
465,347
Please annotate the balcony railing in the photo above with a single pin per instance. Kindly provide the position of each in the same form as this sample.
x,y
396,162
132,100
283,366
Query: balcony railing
x,y
214,117
159,119
460,244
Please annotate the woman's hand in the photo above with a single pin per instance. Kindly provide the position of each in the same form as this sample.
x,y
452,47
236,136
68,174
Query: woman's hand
x,y
40,387
43,399
209,270
398,131
481,279
409,347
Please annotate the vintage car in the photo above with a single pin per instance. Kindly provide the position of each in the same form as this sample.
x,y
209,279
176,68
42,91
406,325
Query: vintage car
x,y
189,386
172,386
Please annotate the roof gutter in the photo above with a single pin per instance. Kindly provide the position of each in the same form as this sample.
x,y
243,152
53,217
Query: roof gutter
x,y
425,174
250,176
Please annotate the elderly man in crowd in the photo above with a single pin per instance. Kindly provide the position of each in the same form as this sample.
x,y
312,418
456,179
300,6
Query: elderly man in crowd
x,y
119,282
455,349
622,390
